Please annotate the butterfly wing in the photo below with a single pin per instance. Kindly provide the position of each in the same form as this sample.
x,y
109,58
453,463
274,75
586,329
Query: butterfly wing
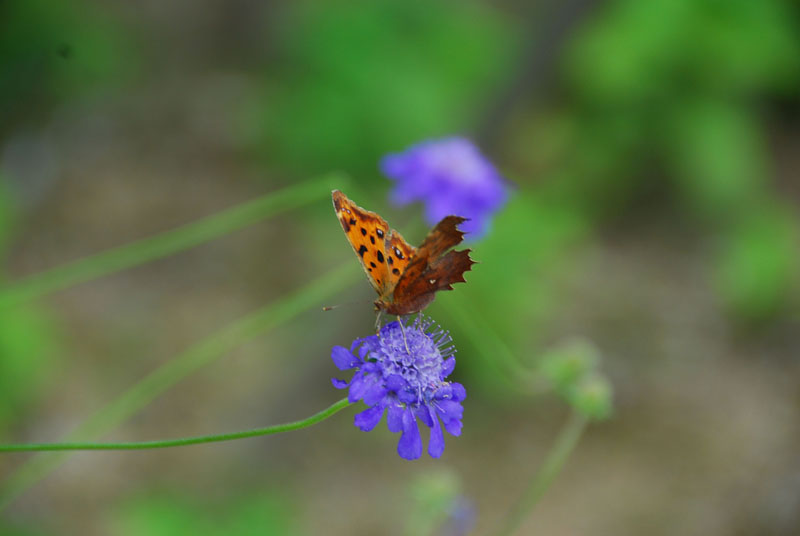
x,y
432,268
398,256
369,235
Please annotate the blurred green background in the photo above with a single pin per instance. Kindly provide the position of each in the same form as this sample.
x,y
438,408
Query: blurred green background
x,y
654,149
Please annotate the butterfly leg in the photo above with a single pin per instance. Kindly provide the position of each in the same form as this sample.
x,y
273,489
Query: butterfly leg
x,y
378,321
403,331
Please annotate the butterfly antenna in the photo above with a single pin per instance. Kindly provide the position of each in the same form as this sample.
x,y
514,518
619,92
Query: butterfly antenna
x,y
332,307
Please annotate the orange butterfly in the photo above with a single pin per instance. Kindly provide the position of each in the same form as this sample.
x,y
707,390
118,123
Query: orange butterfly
x,y
406,278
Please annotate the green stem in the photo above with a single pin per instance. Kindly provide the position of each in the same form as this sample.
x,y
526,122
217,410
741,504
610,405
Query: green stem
x,y
178,368
184,441
169,242
559,454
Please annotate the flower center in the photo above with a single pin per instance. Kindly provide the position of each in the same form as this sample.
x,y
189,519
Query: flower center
x,y
414,355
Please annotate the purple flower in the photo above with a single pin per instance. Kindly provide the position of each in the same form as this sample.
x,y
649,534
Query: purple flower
x,y
450,176
460,519
400,372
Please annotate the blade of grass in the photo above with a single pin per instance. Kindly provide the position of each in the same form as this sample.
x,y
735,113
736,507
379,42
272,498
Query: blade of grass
x,y
490,345
559,454
178,368
168,242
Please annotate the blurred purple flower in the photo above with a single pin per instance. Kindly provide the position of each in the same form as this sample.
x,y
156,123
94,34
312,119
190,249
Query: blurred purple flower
x,y
400,372
460,519
450,176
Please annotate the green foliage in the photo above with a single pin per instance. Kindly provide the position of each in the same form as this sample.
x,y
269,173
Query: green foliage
x,y
25,353
52,50
249,515
6,219
8,529
664,94
667,49
499,316
25,344
170,242
719,158
759,262
360,80
524,251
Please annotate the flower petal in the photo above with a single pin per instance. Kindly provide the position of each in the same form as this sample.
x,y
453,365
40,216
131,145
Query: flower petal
x,y
410,445
371,367
374,392
395,382
339,384
369,418
423,413
449,409
459,393
436,444
394,418
453,427
343,359
406,397
357,387
448,366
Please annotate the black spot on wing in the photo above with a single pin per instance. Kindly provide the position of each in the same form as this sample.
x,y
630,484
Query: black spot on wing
x,y
395,271
363,232
380,257
372,264
352,221
362,250
372,239
380,233
390,260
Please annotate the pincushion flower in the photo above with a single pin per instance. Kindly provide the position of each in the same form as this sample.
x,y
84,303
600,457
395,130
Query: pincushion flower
x,y
450,176
401,372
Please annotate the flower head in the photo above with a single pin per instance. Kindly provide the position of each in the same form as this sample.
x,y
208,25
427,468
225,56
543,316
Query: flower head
x,y
450,176
401,371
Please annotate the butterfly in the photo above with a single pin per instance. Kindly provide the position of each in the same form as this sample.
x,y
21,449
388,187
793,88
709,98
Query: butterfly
x,y
406,278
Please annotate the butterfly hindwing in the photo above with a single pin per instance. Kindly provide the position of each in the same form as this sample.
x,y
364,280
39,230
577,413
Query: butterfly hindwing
x,y
444,236
433,268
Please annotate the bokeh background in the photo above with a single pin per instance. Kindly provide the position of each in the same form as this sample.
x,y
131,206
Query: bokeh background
x,y
654,152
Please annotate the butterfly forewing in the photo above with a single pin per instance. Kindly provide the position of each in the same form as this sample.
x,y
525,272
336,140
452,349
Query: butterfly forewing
x,y
367,233
398,254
